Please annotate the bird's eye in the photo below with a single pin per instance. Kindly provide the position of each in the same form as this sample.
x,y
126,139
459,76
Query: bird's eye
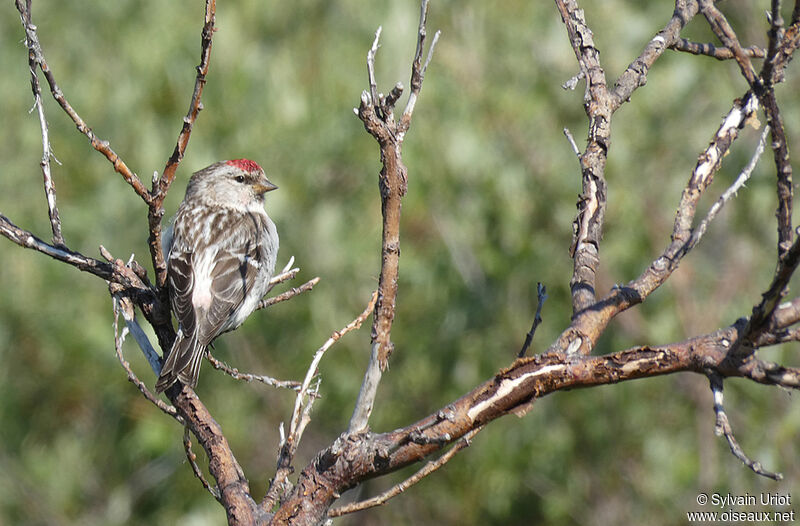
x,y
239,178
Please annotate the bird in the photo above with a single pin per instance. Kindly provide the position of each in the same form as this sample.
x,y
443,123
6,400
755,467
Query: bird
x,y
221,251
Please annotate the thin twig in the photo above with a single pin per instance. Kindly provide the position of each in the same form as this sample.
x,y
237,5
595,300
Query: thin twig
x,y
247,377
192,458
396,490
119,338
418,69
571,139
541,293
728,194
710,50
129,315
98,144
302,408
723,30
573,82
723,427
373,84
285,274
289,294
49,186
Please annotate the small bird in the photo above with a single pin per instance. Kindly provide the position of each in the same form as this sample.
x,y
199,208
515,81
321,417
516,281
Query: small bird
x,y
220,252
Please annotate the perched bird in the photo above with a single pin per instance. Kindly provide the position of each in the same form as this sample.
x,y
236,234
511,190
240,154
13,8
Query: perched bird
x,y
220,254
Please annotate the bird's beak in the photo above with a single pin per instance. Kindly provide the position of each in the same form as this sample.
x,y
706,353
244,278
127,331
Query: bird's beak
x,y
264,186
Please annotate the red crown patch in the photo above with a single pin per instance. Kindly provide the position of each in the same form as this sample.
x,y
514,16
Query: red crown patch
x,y
245,164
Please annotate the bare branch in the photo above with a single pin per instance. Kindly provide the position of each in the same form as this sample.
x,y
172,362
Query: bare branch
x,y
233,486
775,36
49,186
587,326
247,377
723,30
571,139
588,225
723,427
32,41
573,81
764,310
396,490
26,239
710,50
635,75
192,458
354,458
162,184
373,84
302,408
288,272
728,194
782,45
120,306
541,293
289,294
769,373
377,116
125,307
418,68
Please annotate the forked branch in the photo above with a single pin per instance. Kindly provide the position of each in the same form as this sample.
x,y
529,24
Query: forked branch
x,y
162,184
376,111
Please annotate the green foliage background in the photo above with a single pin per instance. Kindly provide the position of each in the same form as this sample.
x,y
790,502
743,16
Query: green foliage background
x,y
492,191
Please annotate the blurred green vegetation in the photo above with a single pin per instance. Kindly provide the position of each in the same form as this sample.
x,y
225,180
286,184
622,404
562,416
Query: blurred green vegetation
x,y
492,191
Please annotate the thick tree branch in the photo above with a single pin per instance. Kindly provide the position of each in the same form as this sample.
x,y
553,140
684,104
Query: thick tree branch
x,y
397,489
353,458
233,487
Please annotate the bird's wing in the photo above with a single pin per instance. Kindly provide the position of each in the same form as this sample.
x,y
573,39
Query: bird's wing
x,y
232,276
181,282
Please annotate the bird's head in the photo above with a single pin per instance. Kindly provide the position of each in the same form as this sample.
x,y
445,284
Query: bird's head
x,y
239,183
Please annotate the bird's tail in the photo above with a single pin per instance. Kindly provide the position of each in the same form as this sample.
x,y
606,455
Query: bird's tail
x,y
182,363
